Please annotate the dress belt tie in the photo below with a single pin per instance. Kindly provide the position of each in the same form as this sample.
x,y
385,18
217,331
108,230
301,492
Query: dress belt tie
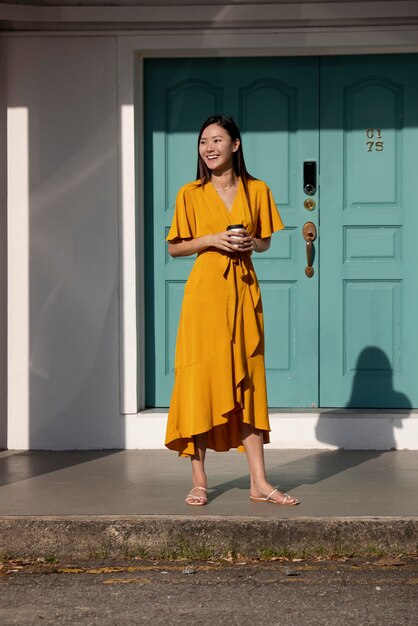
x,y
236,269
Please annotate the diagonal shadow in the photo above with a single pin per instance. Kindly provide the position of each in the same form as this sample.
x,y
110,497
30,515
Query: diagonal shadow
x,y
310,470
18,466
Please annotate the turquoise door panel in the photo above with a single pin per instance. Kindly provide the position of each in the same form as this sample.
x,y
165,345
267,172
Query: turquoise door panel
x,y
369,221
276,120
280,131
173,110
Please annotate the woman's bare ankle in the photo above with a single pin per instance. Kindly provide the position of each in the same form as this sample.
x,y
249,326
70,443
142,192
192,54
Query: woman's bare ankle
x,y
199,479
261,489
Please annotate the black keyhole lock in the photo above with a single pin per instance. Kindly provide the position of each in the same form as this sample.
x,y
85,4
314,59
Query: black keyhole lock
x,y
309,177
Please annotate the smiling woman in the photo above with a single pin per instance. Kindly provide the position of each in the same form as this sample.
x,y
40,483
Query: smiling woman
x,y
216,149
219,398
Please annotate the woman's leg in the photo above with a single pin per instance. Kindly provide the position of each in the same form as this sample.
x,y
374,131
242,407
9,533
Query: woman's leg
x,y
259,487
198,461
197,496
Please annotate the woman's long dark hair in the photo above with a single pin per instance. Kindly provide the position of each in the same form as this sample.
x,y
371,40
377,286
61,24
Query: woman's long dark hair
x,y
228,124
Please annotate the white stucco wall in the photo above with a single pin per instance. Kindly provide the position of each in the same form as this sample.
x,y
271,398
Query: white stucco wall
x,y
63,243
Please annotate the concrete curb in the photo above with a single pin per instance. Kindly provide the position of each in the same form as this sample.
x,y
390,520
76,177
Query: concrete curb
x,y
81,537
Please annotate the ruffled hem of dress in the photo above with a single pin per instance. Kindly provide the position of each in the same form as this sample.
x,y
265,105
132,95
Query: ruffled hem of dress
x,y
220,405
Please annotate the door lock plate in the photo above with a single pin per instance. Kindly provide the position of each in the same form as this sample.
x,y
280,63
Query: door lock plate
x,y
309,204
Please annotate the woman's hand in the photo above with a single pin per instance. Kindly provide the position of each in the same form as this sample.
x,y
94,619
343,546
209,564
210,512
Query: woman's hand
x,y
244,242
227,241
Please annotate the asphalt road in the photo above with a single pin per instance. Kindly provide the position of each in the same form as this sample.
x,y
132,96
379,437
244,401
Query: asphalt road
x,y
383,592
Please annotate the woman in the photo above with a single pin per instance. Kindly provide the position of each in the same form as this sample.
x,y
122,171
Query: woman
x,y
219,398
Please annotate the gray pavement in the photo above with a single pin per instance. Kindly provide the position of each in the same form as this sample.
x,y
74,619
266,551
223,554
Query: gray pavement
x,y
382,592
132,502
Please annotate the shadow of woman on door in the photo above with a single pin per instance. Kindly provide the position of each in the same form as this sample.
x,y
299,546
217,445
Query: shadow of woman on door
x,y
372,392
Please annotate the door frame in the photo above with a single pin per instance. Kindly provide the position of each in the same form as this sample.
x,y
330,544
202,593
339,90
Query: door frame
x,y
131,52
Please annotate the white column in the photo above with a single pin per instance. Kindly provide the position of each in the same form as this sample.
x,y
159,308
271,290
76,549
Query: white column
x,y
18,283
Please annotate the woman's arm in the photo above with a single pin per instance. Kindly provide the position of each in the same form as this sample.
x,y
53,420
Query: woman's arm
x,y
186,247
224,241
261,245
253,244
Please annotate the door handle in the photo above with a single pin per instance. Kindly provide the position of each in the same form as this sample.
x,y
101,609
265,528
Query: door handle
x,y
309,235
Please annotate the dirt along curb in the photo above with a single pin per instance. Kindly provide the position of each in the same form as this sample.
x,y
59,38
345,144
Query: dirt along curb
x,y
173,537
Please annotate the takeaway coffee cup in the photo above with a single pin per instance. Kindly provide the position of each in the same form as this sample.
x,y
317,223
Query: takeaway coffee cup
x,y
236,227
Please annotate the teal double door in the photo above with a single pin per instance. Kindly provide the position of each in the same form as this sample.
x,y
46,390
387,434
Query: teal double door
x,y
336,139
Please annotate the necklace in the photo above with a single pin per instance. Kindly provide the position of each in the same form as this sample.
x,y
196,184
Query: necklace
x,y
230,186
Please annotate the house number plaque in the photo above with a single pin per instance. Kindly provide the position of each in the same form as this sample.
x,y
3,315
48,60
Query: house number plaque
x,y
374,140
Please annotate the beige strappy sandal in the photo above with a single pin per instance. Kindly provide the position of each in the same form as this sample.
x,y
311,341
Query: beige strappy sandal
x,y
287,499
194,500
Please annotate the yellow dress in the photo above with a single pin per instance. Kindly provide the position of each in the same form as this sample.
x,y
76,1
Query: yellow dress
x,y
219,362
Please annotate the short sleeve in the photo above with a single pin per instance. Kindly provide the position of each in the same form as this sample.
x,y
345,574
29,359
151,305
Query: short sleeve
x,y
183,225
269,220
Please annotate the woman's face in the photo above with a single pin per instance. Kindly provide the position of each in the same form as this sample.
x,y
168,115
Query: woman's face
x,y
216,148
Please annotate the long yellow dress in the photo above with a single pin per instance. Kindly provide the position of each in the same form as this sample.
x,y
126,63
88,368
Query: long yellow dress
x,y
219,362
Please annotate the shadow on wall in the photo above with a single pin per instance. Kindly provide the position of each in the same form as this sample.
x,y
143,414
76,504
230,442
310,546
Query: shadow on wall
x,y
372,390
72,217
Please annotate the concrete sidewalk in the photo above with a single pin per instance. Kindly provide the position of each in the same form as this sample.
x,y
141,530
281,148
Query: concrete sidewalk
x,y
118,503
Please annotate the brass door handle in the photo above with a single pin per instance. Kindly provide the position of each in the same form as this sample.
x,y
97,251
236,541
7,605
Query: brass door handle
x,y
309,235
